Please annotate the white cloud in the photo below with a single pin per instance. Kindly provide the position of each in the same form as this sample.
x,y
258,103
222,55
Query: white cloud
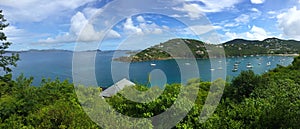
x,y
202,29
89,12
271,12
231,35
195,11
243,18
289,23
231,25
175,16
140,19
38,10
254,10
82,31
255,33
129,27
142,27
257,1
19,36
12,31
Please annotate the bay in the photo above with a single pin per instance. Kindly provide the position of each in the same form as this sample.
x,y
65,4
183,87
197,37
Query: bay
x,y
58,64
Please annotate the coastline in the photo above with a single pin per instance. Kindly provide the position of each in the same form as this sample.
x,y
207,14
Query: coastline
x,y
293,55
128,59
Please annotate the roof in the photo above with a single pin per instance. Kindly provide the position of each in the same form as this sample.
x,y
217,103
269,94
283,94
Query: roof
x,y
114,89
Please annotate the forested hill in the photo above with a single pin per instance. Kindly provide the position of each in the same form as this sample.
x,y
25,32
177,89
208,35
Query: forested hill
x,y
199,49
268,46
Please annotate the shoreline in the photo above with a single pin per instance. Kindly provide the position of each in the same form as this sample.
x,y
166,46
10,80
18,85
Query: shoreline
x,y
170,58
293,55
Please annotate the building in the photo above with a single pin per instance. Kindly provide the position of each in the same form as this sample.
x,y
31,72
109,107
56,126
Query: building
x,y
114,89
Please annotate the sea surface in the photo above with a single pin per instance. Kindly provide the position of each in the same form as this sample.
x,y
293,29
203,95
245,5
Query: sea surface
x,y
58,64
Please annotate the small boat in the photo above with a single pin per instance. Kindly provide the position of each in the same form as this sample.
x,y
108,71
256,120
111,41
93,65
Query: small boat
x,y
212,69
234,69
269,63
187,63
152,64
259,63
220,68
249,66
237,62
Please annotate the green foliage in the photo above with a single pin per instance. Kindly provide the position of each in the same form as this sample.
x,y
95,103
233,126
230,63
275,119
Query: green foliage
x,y
270,100
242,86
239,47
6,60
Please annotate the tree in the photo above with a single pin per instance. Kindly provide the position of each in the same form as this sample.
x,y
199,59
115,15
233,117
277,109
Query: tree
x,y
6,60
242,86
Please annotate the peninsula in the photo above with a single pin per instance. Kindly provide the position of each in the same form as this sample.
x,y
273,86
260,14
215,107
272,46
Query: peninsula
x,y
177,48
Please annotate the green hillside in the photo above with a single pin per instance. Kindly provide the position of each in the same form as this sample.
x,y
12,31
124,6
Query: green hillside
x,y
240,47
177,48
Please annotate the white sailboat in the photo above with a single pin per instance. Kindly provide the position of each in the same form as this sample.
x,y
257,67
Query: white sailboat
x,y
249,66
152,64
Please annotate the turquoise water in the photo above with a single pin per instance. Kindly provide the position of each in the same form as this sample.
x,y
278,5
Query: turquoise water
x,y
58,64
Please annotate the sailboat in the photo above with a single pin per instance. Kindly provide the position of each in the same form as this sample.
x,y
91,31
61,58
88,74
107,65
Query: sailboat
x,y
152,64
249,66
187,63
235,67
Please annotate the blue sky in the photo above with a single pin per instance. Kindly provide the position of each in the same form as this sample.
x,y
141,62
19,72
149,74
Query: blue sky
x,y
136,24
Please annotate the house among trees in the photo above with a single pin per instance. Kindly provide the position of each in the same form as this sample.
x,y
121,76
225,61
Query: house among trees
x,y
114,89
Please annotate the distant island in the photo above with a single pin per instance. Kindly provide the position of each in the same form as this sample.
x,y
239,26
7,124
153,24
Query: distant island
x,y
177,48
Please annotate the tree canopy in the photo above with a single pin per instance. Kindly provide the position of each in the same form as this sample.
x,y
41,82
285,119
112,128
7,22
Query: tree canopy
x,y
6,60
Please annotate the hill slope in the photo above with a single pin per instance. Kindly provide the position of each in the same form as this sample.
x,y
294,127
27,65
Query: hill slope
x,y
177,48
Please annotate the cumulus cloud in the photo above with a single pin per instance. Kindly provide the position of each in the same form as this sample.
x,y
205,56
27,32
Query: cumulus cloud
x,y
289,23
142,27
243,18
255,33
257,1
140,19
195,10
12,31
129,27
22,10
81,30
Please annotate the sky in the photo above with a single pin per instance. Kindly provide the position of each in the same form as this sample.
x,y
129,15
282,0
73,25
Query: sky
x,y
136,24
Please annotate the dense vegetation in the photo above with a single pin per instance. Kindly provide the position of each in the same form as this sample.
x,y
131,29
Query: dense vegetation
x,y
187,48
270,100
239,47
